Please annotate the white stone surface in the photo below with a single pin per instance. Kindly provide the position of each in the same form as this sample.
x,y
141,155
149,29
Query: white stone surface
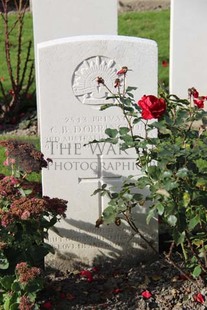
x,y
188,48
70,117
56,19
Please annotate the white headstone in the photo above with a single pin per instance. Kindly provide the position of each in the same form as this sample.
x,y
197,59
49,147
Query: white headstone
x,y
70,100
56,19
188,61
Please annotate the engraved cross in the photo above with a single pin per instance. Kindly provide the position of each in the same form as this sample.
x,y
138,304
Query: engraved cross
x,y
101,178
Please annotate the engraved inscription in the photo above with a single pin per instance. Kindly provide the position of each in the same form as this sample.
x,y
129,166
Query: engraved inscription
x,y
84,83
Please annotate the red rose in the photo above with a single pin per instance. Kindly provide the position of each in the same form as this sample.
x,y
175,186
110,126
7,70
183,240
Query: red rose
x,y
152,107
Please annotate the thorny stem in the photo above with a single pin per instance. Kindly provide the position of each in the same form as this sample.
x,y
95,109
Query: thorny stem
x,y
137,231
124,112
194,253
171,262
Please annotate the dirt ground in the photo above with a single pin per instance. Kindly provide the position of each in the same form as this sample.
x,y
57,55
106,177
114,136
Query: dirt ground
x,y
143,5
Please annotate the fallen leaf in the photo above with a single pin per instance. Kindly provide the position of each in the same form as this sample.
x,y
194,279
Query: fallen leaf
x,y
145,283
174,292
199,298
117,290
62,296
146,294
156,277
47,305
70,296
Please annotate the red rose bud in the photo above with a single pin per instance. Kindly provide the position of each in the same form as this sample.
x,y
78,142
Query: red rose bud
x,y
146,294
100,80
117,83
123,70
152,107
199,298
193,92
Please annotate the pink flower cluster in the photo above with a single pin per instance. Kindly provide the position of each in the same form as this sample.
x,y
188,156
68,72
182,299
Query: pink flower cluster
x,y
25,273
26,208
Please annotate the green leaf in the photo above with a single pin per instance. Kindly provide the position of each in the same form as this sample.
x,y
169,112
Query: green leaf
x,y
7,304
201,164
179,237
165,131
186,199
160,208
14,306
15,287
167,174
172,220
123,130
130,88
6,282
138,197
143,182
106,106
4,263
154,172
193,222
109,214
112,133
163,192
150,215
182,173
169,185
197,271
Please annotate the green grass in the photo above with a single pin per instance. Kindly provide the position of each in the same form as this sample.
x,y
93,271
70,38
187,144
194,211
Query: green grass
x,y
153,25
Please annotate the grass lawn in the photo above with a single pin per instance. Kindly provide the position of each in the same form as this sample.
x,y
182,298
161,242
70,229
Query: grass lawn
x,y
153,25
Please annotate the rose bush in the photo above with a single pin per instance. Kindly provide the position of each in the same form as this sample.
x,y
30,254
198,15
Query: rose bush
x,y
173,164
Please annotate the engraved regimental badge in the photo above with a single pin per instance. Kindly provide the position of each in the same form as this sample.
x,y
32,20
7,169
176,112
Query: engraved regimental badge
x,y
84,80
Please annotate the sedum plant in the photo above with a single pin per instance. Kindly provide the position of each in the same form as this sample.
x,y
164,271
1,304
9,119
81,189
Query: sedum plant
x,y
25,218
173,164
